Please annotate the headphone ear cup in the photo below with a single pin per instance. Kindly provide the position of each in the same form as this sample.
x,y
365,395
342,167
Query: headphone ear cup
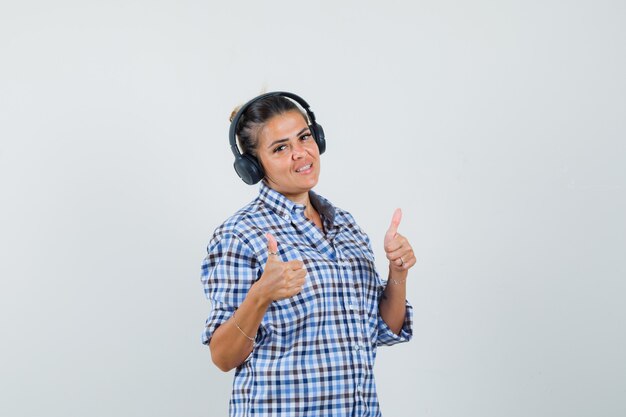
x,y
320,139
248,169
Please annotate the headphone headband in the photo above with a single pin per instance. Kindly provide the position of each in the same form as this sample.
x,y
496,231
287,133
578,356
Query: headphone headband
x,y
247,166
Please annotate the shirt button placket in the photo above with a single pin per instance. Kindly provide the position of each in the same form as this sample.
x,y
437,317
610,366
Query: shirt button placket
x,y
355,329
350,300
359,348
344,271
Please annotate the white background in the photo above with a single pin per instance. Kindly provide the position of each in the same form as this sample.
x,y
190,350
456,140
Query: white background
x,y
497,126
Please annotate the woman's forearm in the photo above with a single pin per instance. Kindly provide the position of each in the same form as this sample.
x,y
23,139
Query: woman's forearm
x,y
230,345
392,306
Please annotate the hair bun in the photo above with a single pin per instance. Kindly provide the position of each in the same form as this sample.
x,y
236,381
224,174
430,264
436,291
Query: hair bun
x,y
234,113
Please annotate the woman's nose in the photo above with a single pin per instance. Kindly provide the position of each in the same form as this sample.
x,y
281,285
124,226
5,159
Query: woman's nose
x,y
298,152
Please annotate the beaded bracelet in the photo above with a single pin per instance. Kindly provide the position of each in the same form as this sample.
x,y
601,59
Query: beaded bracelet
x,y
395,282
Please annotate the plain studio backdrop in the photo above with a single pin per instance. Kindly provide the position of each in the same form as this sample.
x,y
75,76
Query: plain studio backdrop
x,y
497,126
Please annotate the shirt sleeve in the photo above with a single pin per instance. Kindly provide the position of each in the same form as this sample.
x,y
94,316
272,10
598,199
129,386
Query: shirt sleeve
x,y
228,271
386,337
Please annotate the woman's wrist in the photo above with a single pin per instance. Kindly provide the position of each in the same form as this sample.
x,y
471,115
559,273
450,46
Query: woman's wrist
x,y
258,298
396,277
397,274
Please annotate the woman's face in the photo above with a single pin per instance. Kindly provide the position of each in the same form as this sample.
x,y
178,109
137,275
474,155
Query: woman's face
x,y
289,154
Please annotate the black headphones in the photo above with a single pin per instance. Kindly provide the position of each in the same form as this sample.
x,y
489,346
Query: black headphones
x,y
247,166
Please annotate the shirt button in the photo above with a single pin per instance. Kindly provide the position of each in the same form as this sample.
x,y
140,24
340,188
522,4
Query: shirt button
x,y
359,388
357,347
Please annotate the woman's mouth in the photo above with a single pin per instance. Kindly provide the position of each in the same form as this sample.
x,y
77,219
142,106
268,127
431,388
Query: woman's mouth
x,y
304,168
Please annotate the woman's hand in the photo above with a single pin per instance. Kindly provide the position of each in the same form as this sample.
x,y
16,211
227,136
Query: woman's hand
x,y
397,247
280,279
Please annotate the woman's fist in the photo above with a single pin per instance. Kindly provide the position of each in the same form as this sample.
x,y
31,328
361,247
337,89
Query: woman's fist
x,y
397,247
280,279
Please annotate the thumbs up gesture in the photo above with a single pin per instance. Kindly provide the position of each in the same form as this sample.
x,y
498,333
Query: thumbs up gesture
x,y
280,279
397,247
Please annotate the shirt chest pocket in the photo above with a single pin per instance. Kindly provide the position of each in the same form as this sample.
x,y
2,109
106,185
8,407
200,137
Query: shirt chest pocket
x,y
362,275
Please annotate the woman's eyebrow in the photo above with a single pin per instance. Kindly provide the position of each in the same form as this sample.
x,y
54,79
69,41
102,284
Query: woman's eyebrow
x,y
276,142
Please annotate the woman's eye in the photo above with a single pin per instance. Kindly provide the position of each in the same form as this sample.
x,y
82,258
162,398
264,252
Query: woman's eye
x,y
306,136
279,148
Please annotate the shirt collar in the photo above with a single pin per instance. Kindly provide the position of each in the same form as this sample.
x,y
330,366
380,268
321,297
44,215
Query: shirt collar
x,y
285,208
324,208
277,202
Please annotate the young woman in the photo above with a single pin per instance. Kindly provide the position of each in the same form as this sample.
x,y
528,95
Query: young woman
x,y
297,305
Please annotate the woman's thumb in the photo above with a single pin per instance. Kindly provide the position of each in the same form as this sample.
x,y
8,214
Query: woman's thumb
x,y
272,245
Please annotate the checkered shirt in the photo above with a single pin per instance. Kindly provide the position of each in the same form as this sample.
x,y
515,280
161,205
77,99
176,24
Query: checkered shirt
x,y
314,353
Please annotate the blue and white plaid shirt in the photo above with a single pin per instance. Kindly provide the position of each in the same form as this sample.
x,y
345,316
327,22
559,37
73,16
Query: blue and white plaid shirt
x,y
314,353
